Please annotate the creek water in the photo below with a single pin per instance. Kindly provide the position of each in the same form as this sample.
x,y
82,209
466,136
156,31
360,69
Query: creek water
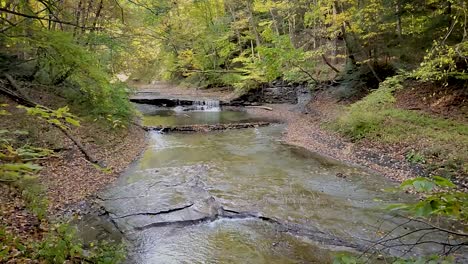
x,y
242,196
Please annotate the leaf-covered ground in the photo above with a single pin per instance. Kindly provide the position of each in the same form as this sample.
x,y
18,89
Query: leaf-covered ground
x,y
66,176
70,178
19,228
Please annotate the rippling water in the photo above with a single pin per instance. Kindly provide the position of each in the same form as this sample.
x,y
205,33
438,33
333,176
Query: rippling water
x,y
176,204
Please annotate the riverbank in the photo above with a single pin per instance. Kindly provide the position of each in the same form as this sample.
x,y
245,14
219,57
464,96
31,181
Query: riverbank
x,y
306,130
311,128
29,209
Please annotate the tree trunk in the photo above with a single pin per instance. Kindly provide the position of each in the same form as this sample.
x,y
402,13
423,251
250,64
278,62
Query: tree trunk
x,y
275,23
98,14
253,23
335,38
234,20
350,59
78,16
398,16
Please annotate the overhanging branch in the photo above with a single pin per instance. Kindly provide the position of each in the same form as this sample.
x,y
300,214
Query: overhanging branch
x,y
41,18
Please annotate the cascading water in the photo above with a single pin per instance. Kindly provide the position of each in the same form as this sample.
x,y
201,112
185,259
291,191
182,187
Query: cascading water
x,y
207,105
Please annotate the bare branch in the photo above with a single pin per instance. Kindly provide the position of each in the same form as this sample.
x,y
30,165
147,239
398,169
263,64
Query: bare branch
x,y
121,11
40,18
144,6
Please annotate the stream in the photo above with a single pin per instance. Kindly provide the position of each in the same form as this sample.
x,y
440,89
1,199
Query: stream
x,y
241,196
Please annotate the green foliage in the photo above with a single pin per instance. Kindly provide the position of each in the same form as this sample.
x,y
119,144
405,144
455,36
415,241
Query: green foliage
x,y
3,111
443,62
282,59
17,167
349,259
415,157
439,198
18,163
107,253
366,116
61,245
377,118
62,59
345,259
35,196
8,243
60,117
427,260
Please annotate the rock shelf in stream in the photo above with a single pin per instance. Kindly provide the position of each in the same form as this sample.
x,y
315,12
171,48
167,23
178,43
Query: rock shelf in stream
x,y
184,200
206,128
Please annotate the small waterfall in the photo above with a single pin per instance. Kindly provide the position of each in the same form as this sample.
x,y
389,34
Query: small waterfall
x,y
207,105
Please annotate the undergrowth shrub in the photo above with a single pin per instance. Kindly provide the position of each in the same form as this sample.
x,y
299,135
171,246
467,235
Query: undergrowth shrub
x,y
63,62
365,117
35,196
442,141
61,245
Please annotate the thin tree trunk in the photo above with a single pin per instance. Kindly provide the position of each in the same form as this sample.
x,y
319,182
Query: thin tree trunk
x,y
335,38
98,13
253,23
349,49
275,23
234,20
86,15
78,16
398,16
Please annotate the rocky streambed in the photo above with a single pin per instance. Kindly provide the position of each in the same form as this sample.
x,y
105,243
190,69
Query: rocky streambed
x,y
241,196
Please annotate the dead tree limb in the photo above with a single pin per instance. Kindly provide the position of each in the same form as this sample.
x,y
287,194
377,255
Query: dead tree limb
x,y
22,99
329,64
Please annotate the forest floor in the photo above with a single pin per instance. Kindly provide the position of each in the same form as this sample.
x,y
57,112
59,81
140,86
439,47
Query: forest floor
x,y
66,179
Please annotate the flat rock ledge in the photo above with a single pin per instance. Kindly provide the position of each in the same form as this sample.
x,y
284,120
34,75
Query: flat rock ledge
x,y
205,128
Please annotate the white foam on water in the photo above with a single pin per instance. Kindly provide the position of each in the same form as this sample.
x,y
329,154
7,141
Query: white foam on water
x,y
178,109
207,105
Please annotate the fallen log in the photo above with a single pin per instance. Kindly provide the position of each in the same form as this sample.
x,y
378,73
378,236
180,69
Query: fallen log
x,y
21,98
259,107
206,128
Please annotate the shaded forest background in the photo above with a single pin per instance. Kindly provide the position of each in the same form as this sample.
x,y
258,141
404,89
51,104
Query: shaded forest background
x,y
386,63
240,44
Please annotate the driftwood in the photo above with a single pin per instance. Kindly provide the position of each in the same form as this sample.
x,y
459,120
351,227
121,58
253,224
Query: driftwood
x,y
259,107
206,128
21,98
